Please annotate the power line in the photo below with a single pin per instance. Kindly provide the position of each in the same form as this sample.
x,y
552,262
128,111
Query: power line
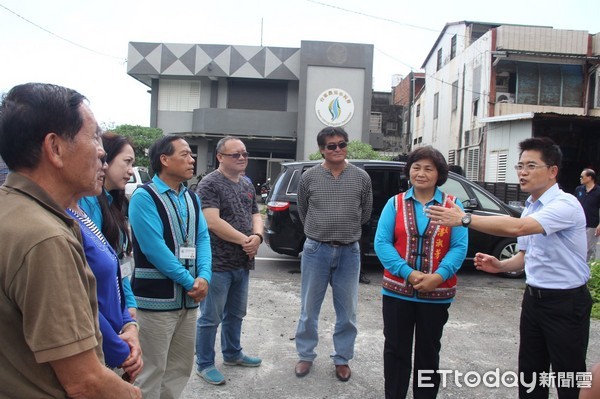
x,y
61,37
373,16
398,23
396,59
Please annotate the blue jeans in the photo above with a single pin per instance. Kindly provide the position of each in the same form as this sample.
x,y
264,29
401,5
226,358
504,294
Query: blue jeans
x,y
339,266
225,304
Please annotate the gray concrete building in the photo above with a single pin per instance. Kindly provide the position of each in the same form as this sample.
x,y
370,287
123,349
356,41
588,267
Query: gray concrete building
x,y
276,99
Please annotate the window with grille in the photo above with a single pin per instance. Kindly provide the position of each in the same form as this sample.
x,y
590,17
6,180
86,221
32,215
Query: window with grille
x,y
178,95
472,170
391,127
476,82
453,47
495,170
451,157
375,122
439,60
472,136
454,95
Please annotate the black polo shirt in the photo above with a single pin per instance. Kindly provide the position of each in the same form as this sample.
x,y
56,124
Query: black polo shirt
x,y
590,201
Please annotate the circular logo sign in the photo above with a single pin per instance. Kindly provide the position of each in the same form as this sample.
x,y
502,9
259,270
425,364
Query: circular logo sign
x,y
334,107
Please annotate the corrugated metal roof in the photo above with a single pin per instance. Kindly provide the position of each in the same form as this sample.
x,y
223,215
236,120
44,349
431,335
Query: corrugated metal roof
x,y
509,117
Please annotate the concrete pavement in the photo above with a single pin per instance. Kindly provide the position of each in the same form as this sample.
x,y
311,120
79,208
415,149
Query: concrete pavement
x,y
480,336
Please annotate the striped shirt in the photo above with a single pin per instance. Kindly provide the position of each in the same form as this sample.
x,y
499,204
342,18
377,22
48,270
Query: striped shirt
x,y
334,209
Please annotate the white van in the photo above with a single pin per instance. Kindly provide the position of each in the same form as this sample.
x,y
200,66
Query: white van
x,y
139,177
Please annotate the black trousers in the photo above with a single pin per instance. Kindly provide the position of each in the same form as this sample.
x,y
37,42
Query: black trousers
x,y
403,320
555,329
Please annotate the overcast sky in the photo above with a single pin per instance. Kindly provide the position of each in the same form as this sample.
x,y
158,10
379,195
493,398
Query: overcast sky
x,y
83,44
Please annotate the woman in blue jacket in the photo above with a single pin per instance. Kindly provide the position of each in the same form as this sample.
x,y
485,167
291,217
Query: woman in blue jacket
x,y
109,209
420,262
120,338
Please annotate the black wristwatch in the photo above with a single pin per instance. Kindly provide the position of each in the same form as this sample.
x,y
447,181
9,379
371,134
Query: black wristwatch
x,y
466,220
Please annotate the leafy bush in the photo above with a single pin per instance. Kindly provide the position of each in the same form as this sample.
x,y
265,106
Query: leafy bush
x,y
142,138
594,286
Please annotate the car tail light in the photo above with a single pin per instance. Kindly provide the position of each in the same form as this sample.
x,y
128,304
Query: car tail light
x,y
278,206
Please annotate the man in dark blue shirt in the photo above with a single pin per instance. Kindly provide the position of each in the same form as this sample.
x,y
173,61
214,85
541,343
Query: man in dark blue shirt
x,y
588,195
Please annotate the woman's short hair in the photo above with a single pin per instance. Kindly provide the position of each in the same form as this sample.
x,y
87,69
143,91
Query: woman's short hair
x,y
428,152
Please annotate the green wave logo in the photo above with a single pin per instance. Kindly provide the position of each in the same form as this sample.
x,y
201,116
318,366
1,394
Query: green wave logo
x,y
335,109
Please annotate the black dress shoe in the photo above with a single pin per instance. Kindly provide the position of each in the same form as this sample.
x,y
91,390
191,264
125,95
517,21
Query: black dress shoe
x,y
362,278
302,368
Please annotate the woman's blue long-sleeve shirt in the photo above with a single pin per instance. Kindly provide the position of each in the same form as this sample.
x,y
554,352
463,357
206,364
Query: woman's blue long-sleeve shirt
x,y
112,313
91,206
396,265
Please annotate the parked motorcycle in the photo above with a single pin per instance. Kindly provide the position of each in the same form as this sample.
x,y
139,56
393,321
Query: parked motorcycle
x,y
265,189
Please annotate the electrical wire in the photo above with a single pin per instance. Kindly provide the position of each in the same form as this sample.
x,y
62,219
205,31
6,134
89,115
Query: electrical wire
x,y
124,60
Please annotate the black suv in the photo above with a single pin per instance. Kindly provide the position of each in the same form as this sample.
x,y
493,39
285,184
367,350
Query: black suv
x,y
285,235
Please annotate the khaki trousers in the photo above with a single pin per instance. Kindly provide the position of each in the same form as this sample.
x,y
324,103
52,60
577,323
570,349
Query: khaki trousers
x,y
167,341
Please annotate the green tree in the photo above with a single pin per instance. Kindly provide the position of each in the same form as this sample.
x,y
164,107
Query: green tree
x,y
356,150
142,138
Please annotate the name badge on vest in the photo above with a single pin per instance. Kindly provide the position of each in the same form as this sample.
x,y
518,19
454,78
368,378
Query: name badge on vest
x,y
187,253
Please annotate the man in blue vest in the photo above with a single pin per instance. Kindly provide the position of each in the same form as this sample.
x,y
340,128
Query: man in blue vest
x,y
172,268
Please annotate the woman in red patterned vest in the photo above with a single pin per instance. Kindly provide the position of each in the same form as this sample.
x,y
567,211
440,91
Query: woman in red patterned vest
x,y
419,282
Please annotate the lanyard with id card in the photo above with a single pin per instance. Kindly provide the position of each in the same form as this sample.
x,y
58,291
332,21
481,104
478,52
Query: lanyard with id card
x,y
187,253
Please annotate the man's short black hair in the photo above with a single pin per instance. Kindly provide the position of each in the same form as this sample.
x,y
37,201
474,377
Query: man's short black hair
x,y
29,112
550,152
162,146
330,132
428,152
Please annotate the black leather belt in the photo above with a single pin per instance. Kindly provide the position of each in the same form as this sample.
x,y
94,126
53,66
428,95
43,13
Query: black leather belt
x,y
548,292
335,243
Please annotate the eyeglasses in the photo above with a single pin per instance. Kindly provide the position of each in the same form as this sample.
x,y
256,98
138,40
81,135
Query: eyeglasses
x,y
529,167
333,146
237,155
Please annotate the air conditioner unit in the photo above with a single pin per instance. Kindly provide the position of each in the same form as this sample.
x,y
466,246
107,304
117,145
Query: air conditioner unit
x,y
502,97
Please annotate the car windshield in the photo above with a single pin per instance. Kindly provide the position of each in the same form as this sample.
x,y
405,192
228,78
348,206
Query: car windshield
x,y
144,176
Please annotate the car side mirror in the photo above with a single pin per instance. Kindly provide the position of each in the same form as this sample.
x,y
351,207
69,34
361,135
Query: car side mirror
x,y
470,203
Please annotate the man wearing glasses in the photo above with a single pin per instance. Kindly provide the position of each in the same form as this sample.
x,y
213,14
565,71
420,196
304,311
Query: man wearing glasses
x,y
555,315
172,268
334,201
588,195
235,225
